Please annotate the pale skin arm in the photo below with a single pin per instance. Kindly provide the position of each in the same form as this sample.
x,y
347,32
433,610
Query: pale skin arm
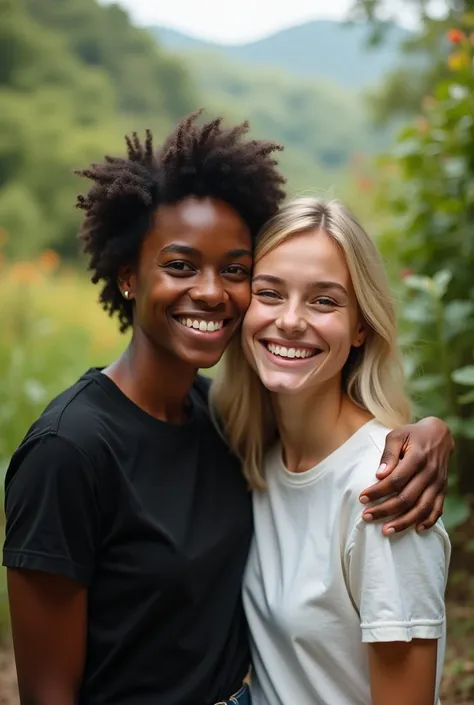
x,y
49,626
402,672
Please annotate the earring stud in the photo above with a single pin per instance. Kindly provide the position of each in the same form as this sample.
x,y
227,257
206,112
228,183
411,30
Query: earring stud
x,y
126,294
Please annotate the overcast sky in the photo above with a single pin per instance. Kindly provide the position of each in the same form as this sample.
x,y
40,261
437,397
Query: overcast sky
x,y
228,22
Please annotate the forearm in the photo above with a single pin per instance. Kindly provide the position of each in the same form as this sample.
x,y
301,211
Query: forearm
x,y
403,672
53,695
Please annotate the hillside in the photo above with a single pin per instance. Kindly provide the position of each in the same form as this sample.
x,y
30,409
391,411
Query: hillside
x,y
74,77
321,125
321,49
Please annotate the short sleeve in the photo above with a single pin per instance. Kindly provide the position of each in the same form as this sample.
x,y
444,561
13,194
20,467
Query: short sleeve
x,y
51,508
398,583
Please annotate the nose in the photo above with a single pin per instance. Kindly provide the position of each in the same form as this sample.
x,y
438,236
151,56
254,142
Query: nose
x,y
209,289
291,319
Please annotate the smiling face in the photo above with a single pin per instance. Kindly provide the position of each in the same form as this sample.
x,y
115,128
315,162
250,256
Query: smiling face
x,y
303,318
191,285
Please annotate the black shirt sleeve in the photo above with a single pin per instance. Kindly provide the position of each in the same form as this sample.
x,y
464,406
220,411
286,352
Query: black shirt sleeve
x,y
52,509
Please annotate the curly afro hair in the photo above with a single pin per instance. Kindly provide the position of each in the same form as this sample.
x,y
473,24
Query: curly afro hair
x,y
195,160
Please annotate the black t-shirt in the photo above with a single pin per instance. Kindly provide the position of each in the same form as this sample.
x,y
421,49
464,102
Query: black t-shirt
x,y
155,519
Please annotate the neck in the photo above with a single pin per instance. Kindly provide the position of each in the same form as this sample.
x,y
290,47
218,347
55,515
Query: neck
x,y
158,384
314,424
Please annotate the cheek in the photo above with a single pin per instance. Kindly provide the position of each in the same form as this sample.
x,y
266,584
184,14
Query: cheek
x,y
336,330
239,294
257,318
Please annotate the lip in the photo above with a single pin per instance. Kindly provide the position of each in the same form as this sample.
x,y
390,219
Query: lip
x,y
287,361
290,343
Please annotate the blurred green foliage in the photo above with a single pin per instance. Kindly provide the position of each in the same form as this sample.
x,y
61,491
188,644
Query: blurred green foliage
x,y
429,245
423,59
74,76
321,125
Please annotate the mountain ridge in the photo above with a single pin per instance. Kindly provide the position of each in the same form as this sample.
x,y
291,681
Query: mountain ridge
x,y
324,49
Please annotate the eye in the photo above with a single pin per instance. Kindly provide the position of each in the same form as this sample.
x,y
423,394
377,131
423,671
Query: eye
x,y
179,266
325,302
267,294
237,270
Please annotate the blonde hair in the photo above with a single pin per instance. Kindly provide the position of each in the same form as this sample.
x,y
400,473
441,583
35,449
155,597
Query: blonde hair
x,y
373,375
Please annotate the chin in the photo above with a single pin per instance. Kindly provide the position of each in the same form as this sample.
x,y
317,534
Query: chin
x,y
280,385
203,361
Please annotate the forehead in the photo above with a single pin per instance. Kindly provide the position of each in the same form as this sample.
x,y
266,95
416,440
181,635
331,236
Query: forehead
x,y
203,223
311,256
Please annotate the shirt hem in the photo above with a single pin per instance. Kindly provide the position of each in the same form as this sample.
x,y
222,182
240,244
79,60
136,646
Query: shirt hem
x,y
29,560
429,629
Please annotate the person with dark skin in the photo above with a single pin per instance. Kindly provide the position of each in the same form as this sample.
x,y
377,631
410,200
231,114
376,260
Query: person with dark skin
x,y
128,521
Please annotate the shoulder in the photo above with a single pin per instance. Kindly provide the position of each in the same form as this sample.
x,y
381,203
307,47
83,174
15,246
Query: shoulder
x,y
69,426
365,457
77,402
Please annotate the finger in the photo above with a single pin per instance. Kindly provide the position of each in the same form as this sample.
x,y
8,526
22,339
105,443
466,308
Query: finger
x,y
405,471
394,445
418,514
435,514
400,503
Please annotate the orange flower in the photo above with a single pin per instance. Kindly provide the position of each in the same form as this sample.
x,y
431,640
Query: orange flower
x,y
49,260
455,36
365,184
422,125
405,273
24,272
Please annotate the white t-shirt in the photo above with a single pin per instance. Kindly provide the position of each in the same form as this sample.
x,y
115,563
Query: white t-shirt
x,y
320,581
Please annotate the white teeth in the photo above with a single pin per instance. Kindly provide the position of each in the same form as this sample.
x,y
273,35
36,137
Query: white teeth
x,y
290,352
199,324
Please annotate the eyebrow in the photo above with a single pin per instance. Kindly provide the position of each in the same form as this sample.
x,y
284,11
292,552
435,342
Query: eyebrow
x,y
187,250
270,279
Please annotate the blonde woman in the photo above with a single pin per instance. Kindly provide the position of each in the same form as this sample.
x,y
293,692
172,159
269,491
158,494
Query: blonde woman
x,y
338,613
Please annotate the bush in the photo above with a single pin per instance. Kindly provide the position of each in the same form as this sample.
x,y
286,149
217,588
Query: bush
x,y
428,189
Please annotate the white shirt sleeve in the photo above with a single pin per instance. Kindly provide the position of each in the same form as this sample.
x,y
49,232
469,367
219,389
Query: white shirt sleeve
x,y
397,584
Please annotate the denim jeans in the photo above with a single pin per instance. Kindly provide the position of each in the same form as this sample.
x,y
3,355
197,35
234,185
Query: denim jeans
x,y
242,697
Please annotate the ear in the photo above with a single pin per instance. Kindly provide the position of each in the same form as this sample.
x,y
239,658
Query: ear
x,y
359,335
126,282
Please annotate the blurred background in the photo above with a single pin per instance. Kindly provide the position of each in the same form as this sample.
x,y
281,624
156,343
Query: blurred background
x,y
374,102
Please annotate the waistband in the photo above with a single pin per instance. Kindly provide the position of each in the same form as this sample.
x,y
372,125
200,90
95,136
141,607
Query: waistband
x,y
242,697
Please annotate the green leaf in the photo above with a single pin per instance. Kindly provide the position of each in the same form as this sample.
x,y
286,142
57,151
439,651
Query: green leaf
x,y
467,398
456,511
465,428
418,283
457,317
464,375
426,383
441,282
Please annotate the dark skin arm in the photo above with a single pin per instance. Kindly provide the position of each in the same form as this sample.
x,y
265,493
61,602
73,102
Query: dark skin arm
x,y
403,673
49,627
416,459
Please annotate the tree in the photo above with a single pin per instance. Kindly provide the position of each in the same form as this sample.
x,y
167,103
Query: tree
x,y
423,56
74,77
